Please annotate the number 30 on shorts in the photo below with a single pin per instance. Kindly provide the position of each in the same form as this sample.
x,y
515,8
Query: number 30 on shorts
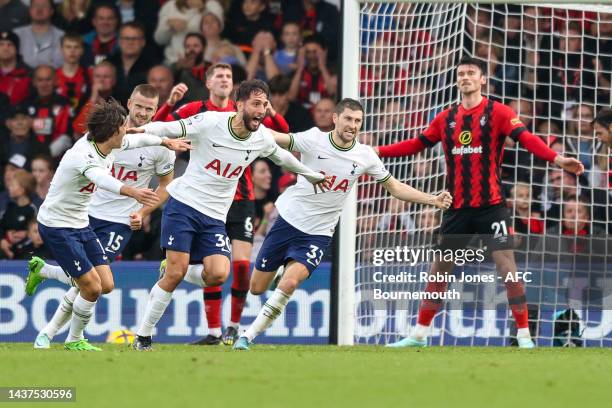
x,y
223,242
314,255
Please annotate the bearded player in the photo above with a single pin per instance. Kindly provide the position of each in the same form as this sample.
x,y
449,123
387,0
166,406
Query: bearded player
x,y
219,82
193,222
307,219
111,216
472,133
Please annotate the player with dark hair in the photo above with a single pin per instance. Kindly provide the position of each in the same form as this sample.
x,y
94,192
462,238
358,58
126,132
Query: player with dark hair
x,y
219,81
111,216
63,219
472,133
307,218
602,124
194,220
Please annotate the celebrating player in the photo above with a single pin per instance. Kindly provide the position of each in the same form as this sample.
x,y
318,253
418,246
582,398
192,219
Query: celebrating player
x,y
241,214
63,219
193,223
472,135
307,220
113,217
602,124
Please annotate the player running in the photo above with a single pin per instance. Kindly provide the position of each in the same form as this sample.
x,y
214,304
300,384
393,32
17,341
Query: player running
x,y
307,220
63,219
112,217
219,83
472,135
602,124
193,223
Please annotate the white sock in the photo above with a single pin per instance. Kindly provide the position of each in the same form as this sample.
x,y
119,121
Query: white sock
x,y
273,308
421,331
55,272
159,300
82,310
216,331
194,275
524,332
235,325
62,314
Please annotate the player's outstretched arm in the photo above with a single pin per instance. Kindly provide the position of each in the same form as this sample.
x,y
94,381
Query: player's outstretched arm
x,y
281,139
105,181
162,194
538,148
404,192
288,161
132,141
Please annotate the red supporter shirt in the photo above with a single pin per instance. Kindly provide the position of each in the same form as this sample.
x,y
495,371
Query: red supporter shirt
x,y
15,84
51,118
73,88
473,145
244,191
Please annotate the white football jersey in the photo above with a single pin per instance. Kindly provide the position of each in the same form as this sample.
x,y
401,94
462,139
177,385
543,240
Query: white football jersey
x,y
70,192
133,168
216,162
317,213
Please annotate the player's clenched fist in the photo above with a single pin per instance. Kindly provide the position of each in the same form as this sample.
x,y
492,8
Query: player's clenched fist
x,y
443,200
177,93
135,221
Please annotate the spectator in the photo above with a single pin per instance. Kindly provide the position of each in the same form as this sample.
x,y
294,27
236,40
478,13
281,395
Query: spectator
x,y
14,75
104,81
22,142
33,245
323,114
176,19
14,14
246,18
286,57
51,112
561,186
579,137
191,68
73,79
312,80
74,16
261,63
315,16
295,114
43,171
19,211
40,41
262,183
131,61
161,78
377,77
526,220
396,217
102,41
427,220
218,49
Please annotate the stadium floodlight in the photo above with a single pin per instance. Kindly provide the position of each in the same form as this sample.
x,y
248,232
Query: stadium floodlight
x,y
551,64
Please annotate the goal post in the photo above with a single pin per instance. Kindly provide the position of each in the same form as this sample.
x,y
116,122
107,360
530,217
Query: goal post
x,y
399,59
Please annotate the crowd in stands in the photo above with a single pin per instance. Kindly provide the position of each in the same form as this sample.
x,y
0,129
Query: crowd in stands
x,y
59,57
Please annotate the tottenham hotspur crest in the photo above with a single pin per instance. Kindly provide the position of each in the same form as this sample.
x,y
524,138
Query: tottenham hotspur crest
x,y
170,239
78,265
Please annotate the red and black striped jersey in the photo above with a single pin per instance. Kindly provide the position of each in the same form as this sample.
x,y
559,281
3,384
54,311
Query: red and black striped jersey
x,y
73,88
244,190
473,145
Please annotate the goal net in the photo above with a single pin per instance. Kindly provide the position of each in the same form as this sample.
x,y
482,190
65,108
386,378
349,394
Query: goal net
x,y
552,64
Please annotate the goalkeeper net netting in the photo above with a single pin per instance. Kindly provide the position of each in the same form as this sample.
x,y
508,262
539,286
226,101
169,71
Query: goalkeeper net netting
x,y
552,64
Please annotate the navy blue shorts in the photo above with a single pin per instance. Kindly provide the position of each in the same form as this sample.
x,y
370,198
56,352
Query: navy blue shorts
x,y
285,242
76,250
114,236
185,229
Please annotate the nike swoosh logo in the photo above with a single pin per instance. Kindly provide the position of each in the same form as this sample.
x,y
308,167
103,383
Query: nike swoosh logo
x,y
322,158
216,145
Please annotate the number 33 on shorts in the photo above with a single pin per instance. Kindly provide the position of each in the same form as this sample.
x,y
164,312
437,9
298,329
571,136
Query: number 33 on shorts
x,y
314,255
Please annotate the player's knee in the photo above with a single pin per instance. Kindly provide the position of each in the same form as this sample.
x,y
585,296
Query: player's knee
x,y
107,287
91,290
257,288
288,285
216,276
176,270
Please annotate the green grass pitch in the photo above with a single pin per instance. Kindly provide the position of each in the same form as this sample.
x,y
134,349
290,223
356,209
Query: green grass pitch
x,y
314,376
